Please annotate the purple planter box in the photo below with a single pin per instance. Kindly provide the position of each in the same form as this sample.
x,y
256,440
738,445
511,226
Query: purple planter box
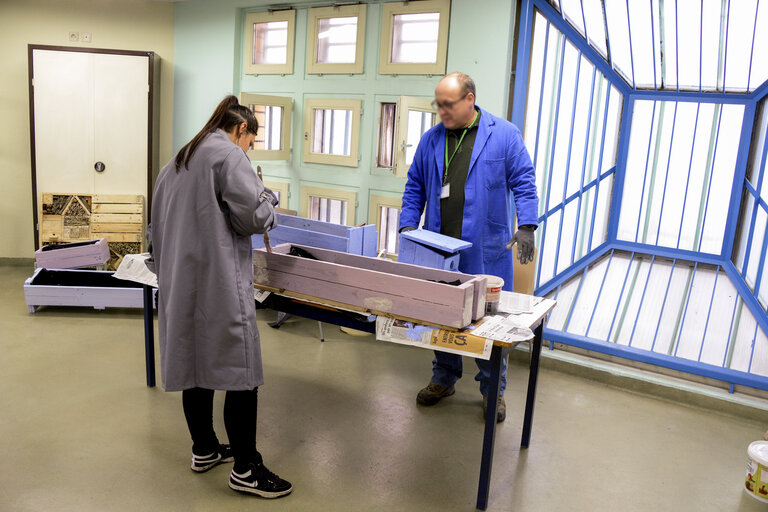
x,y
87,288
73,255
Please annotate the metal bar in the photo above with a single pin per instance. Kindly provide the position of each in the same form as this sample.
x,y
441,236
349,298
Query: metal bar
x,y
584,21
729,354
599,293
652,186
663,303
711,156
642,301
761,263
631,55
577,230
668,252
752,47
575,298
746,295
653,51
661,360
571,271
677,53
701,39
709,312
754,212
645,175
679,327
575,195
624,310
576,38
728,347
621,295
759,92
489,433
568,160
533,374
692,96
742,158
621,168
600,165
662,48
549,149
666,175
149,334
523,63
725,52
688,179
752,353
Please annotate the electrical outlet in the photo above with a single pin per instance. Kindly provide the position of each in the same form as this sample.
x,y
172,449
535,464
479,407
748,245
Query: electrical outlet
x,y
85,37
73,37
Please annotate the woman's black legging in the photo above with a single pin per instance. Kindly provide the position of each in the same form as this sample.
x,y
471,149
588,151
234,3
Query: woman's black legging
x,y
239,419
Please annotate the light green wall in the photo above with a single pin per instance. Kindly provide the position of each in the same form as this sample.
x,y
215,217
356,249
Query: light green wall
x,y
144,25
208,56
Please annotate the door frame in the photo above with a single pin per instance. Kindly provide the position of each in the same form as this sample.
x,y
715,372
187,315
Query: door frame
x,y
152,76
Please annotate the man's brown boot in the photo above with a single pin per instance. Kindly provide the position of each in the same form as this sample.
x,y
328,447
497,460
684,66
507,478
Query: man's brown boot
x,y
501,409
432,394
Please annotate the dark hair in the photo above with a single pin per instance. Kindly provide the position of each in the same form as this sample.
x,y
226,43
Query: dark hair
x,y
228,114
465,82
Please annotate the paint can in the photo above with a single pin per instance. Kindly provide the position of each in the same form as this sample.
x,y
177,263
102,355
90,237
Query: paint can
x,y
756,481
492,293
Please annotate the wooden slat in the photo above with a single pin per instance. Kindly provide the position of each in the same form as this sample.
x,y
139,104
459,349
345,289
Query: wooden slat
x,y
109,227
398,295
117,198
119,237
121,218
118,208
313,225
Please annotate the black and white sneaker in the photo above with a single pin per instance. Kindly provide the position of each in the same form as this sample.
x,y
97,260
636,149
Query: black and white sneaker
x,y
260,481
202,463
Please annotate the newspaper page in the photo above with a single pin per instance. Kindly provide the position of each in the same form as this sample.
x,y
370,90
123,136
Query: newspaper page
x,y
503,329
456,342
133,268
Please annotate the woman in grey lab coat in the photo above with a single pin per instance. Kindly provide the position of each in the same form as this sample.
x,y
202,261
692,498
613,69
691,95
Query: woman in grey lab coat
x,y
207,203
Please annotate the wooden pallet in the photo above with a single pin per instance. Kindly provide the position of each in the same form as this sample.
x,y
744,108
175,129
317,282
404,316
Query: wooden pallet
x,y
80,217
376,286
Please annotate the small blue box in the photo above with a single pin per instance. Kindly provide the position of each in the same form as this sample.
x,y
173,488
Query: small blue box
x,y
430,249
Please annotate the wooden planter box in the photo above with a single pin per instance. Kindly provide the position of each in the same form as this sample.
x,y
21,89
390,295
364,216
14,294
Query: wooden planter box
x,y
376,286
326,235
88,288
73,255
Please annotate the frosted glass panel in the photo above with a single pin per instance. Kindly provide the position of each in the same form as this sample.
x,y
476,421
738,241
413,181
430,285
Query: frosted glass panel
x,y
618,26
414,37
333,132
270,42
336,40
593,14
643,44
418,124
572,13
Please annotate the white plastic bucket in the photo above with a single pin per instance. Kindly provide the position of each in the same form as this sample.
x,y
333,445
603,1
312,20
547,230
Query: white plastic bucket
x,y
756,481
492,293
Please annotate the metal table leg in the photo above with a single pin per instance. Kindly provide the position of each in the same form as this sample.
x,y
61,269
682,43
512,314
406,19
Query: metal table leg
x,y
533,375
489,436
149,335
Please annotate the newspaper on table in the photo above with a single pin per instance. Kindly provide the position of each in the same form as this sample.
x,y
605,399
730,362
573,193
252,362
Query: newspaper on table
x,y
516,303
503,329
134,268
455,342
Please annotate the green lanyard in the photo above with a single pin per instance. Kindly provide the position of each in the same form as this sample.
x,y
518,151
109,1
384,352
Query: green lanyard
x,y
449,160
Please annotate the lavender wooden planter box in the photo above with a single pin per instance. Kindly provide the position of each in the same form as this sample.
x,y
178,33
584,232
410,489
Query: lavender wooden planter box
x,y
326,235
73,255
377,286
87,288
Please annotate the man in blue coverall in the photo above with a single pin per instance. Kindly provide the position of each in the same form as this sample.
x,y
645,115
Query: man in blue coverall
x,y
467,170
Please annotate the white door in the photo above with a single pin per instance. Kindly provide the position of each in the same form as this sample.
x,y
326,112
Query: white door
x,y
90,108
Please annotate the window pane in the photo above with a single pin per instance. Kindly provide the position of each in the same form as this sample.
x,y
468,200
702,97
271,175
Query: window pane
x,y
688,47
616,14
332,134
418,123
593,13
572,12
414,37
336,40
741,26
643,44
328,210
270,42
270,120
386,135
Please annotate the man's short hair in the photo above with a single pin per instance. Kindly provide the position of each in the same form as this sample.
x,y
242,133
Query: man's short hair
x,y
465,81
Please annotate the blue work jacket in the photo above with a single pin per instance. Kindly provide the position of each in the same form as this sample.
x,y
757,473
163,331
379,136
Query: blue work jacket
x,y
500,171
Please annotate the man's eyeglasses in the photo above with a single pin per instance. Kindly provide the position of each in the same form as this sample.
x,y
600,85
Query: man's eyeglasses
x,y
447,105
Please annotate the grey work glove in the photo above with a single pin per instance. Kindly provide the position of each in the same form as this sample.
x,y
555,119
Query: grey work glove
x,y
525,245
269,196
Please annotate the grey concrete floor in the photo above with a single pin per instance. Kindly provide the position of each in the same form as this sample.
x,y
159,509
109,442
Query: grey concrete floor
x,y
80,431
